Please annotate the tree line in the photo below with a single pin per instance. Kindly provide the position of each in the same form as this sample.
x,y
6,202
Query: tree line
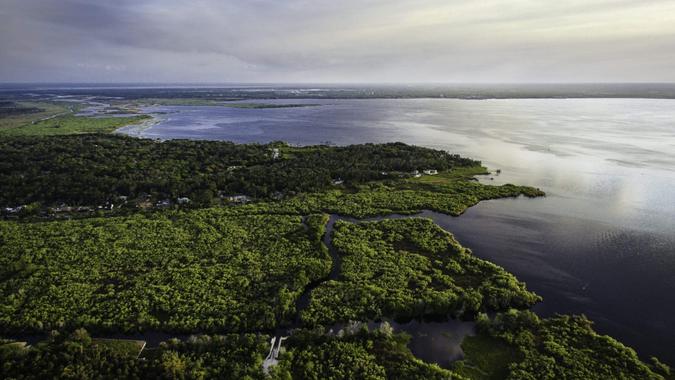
x,y
95,169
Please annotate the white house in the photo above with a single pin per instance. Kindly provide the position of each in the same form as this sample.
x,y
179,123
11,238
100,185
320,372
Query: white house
x,y
13,210
431,172
237,198
163,203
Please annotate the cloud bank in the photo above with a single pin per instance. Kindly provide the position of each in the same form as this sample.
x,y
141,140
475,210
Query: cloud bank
x,y
337,41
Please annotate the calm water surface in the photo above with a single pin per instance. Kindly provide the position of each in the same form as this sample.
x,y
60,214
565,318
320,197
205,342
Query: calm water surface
x,y
601,243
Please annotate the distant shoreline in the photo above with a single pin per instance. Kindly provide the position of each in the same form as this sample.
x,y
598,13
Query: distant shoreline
x,y
136,130
253,92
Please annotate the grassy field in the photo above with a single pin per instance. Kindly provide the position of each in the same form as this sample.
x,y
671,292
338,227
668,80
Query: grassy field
x,y
47,110
69,124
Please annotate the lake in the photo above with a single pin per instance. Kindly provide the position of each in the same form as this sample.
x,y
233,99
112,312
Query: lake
x,y
601,243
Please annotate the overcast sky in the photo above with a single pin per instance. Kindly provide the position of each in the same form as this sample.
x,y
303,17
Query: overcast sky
x,y
337,41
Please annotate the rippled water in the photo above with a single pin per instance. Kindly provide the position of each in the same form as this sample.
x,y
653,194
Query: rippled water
x,y
601,243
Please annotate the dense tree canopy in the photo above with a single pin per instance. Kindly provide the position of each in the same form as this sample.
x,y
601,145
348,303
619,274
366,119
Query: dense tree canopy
x,y
410,268
95,169
77,356
243,268
199,270
561,347
354,354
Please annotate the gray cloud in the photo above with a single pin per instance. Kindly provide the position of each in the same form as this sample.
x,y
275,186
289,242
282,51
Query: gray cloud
x,y
349,40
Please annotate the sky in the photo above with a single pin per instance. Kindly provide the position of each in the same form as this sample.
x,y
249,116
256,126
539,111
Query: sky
x,y
337,41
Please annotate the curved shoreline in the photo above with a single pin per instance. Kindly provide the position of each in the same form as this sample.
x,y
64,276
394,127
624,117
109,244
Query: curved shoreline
x,y
423,332
136,130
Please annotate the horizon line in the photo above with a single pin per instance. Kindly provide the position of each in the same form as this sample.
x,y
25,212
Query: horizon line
x,y
333,83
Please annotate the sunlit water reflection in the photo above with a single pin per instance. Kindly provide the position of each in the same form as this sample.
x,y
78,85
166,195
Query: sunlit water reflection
x,y
601,243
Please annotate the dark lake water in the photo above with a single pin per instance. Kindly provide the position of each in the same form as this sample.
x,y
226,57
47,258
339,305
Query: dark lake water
x,y
601,243
432,341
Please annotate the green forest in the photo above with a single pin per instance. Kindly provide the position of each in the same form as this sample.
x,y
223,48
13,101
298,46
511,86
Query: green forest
x,y
362,354
410,268
104,234
513,345
94,169
76,355
519,345
183,271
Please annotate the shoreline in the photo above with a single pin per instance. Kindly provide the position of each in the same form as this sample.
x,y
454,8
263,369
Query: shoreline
x,y
136,130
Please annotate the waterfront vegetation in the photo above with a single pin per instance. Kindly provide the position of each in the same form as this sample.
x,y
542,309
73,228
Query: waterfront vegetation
x,y
205,270
361,354
77,356
409,268
514,345
94,170
486,358
69,124
402,197
520,345
309,355
49,118
354,353
200,270
23,113
212,265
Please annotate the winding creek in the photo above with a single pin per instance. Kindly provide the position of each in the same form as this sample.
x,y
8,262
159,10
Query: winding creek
x,y
601,243
432,341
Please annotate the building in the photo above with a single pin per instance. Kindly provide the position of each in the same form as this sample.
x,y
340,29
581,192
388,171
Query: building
x,y
62,208
431,172
14,210
183,200
163,203
241,199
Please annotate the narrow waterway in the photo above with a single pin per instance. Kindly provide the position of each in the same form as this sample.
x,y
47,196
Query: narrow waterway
x,y
303,301
602,241
432,341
